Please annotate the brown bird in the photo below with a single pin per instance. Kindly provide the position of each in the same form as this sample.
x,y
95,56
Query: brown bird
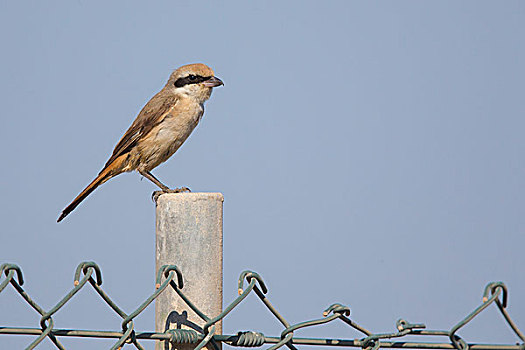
x,y
159,130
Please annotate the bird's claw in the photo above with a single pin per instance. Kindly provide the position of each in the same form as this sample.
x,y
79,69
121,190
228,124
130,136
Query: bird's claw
x,y
156,194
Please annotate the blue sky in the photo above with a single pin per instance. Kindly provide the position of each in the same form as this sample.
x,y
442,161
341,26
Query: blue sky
x,y
370,153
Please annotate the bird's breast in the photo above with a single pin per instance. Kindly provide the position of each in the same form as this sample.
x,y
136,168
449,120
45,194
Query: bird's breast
x,y
169,134
179,123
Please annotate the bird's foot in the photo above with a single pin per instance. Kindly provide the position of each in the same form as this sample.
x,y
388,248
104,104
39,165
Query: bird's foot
x,y
156,194
178,190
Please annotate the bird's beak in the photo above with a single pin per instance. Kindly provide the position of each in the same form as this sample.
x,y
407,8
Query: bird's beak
x,y
213,82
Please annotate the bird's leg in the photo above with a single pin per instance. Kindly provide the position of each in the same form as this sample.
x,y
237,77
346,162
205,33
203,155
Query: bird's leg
x,y
153,179
164,189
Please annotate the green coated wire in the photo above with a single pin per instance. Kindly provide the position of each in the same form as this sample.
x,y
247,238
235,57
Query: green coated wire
x,y
170,275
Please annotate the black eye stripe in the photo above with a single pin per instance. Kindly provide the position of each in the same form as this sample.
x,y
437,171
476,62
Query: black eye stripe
x,y
190,79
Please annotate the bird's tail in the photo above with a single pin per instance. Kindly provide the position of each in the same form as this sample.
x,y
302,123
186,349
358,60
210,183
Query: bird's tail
x,y
110,170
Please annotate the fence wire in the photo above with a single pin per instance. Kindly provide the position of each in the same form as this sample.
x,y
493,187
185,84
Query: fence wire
x,y
169,276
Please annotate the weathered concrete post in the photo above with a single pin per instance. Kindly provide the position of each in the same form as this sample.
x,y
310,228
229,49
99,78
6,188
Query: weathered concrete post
x,y
189,235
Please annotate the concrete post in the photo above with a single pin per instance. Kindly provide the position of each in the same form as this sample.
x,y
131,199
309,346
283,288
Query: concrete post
x,y
189,235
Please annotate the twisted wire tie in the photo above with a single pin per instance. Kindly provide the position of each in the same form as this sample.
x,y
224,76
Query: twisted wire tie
x,y
183,336
249,339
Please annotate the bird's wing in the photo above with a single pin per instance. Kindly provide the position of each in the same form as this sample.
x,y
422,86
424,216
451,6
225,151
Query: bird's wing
x,y
153,113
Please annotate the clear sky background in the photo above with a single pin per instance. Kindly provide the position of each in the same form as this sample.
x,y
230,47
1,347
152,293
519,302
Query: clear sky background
x,y
370,153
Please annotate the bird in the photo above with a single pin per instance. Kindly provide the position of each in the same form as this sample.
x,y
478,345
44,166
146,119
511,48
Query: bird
x,y
159,129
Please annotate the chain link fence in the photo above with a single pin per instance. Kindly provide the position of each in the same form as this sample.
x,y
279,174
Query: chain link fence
x,y
169,276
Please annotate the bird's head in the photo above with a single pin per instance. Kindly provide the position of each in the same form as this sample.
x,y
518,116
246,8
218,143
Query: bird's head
x,y
195,80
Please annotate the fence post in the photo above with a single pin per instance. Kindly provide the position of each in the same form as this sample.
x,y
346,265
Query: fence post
x,y
189,235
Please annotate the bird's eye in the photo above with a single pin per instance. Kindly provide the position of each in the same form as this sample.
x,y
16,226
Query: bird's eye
x,y
189,79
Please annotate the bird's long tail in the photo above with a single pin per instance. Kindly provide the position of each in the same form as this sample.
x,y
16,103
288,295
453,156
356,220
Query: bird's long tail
x,y
110,170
